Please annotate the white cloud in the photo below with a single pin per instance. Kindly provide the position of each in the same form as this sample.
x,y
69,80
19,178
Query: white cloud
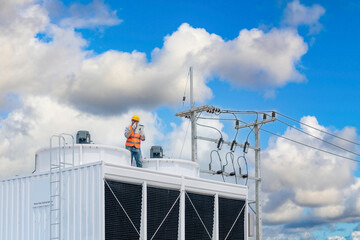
x,y
321,185
288,211
296,14
329,212
42,58
336,238
95,14
29,128
355,235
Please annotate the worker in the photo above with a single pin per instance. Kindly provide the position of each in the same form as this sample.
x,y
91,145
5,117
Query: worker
x,y
133,140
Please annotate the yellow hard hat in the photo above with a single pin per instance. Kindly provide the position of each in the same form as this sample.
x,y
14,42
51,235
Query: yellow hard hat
x,y
135,118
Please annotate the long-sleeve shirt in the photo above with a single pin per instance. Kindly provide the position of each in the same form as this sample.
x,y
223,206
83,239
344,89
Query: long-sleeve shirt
x,y
128,128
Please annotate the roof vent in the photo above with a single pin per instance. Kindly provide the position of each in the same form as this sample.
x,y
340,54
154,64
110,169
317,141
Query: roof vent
x,y
156,152
83,137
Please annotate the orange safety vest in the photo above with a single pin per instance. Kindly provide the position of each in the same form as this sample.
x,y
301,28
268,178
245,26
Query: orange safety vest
x,y
133,140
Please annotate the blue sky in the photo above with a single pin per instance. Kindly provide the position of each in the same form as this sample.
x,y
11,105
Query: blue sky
x,y
92,64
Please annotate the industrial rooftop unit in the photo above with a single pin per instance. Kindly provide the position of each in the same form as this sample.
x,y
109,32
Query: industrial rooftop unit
x,y
91,192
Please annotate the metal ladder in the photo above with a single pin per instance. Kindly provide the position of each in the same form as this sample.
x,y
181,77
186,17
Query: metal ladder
x,y
57,164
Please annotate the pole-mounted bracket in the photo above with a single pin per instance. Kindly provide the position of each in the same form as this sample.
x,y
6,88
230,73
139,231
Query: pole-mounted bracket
x,y
225,142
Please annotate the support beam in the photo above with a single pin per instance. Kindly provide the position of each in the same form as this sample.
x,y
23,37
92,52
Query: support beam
x,y
225,142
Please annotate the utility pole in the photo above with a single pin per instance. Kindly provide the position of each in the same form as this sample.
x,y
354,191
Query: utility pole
x,y
191,113
193,119
258,182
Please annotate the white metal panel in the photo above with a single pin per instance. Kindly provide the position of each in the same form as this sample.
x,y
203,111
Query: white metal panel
x,y
22,216
173,166
155,178
83,154
166,180
18,218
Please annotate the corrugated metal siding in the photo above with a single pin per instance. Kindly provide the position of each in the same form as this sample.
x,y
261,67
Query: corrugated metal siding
x,y
18,219
82,206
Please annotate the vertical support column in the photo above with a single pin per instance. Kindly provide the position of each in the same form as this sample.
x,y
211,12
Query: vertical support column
x,y
182,210
60,183
216,217
144,212
193,120
246,222
51,190
258,183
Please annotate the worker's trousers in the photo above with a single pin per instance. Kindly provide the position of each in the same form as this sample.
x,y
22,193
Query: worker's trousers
x,y
135,154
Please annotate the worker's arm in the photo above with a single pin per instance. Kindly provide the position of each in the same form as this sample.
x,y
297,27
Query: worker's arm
x,y
128,131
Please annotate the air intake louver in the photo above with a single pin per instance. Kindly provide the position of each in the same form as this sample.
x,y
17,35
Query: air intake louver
x,y
160,202
229,210
117,224
204,205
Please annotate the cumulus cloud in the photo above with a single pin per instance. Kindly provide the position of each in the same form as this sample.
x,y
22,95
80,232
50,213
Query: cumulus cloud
x,y
95,14
31,125
314,186
355,235
336,238
44,58
297,14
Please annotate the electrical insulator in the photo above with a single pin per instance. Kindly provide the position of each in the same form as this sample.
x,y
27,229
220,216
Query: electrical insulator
x,y
237,124
264,116
219,172
273,114
220,143
184,98
233,146
232,174
246,147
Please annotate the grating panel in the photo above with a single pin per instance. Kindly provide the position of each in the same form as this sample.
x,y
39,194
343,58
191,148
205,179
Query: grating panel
x,y
229,209
159,202
117,224
204,206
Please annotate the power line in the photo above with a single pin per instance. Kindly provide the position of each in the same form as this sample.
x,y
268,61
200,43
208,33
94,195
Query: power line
x,y
292,119
306,145
332,144
344,149
210,127
220,119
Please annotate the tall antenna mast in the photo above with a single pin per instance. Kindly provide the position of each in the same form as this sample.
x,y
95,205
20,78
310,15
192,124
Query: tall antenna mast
x,y
193,119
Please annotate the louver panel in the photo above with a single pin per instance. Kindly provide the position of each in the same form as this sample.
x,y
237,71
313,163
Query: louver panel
x,y
159,204
117,224
204,205
229,210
